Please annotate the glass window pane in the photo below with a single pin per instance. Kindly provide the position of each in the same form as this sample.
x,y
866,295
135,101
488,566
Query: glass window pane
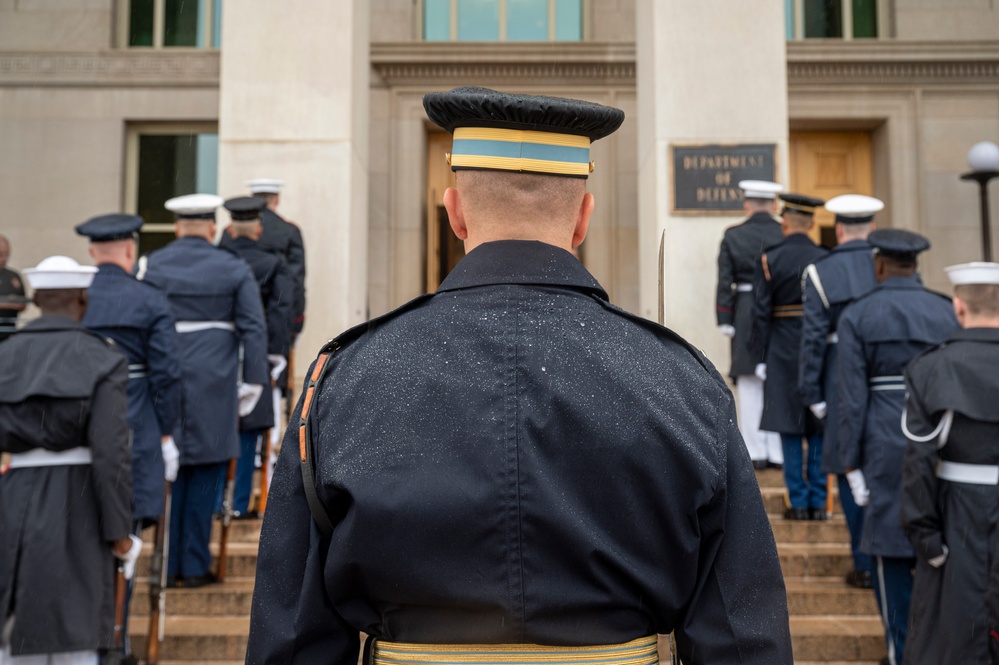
x,y
568,20
436,20
865,18
217,24
171,165
789,18
183,25
527,20
823,18
478,20
140,23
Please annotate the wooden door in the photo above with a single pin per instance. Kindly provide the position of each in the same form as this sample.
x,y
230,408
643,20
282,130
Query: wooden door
x,y
827,164
444,250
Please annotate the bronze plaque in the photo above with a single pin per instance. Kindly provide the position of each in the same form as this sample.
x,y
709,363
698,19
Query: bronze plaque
x,y
706,177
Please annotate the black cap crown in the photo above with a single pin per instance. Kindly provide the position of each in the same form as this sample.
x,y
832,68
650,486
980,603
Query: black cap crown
x,y
898,243
107,228
244,208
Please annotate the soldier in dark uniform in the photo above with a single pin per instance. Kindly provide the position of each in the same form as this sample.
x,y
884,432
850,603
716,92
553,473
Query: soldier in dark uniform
x,y
950,508
777,336
829,285
64,502
879,334
276,294
12,300
216,304
282,237
740,251
137,317
512,460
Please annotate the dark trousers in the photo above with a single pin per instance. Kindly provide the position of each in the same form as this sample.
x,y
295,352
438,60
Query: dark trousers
x,y
893,591
194,494
806,485
855,523
245,468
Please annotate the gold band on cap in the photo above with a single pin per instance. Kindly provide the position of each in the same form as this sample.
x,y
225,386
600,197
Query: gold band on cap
x,y
520,150
800,208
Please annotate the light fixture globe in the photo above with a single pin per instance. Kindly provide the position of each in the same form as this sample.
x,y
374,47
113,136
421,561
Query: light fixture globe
x,y
984,156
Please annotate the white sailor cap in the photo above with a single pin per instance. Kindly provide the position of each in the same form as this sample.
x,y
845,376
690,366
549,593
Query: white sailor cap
x,y
60,272
194,206
854,208
977,272
760,189
265,186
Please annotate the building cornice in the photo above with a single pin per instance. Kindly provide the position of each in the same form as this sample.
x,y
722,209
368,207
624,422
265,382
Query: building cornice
x,y
119,68
564,63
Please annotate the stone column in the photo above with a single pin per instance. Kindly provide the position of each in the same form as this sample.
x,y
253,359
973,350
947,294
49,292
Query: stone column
x,y
294,106
711,71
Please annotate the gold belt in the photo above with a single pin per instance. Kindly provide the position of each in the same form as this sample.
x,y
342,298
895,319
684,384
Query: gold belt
x,y
783,311
642,651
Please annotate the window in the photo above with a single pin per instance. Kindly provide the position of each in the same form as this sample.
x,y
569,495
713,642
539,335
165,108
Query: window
x,y
170,23
502,20
834,19
165,161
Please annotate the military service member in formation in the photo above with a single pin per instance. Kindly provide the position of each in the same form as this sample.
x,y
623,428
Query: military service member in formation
x,y
12,300
65,501
777,337
828,286
512,460
879,333
738,255
276,295
950,508
216,304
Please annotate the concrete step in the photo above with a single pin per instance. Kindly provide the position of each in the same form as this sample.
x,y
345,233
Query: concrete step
x,y
837,638
792,531
240,531
814,560
242,559
196,638
775,501
233,598
820,596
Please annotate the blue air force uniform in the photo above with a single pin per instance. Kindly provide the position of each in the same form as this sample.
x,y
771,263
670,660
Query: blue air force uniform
x,y
216,304
828,286
879,334
137,317
512,460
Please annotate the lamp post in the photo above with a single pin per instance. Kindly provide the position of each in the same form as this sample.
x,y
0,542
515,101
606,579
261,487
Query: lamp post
x,y
983,158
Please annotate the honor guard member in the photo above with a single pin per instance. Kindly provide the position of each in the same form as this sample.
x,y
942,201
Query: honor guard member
x,y
470,458
64,501
282,237
276,294
879,333
740,251
216,304
828,286
777,337
12,300
950,508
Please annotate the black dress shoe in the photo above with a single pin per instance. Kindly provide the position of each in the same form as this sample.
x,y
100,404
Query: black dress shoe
x,y
248,515
775,465
172,583
796,514
860,579
817,514
199,581
759,464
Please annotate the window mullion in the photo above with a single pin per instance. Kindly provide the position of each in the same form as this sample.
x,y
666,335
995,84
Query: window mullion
x,y
799,19
502,20
847,12
159,23
552,17
454,20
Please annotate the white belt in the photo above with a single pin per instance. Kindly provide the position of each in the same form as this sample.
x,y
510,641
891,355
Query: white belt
x,y
832,338
743,288
42,457
198,326
887,382
137,371
976,474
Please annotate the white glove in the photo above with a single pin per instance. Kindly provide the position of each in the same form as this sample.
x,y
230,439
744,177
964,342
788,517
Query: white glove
x,y
278,363
129,558
761,371
171,459
727,330
819,409
249,395
938,561
858,487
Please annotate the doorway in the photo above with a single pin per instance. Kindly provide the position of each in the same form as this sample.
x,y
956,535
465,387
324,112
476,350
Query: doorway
x,y
444,250
827,164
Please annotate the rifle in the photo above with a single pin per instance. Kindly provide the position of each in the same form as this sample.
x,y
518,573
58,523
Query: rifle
x,y
116,654
227,512
157,581
265,469
289,387
830,486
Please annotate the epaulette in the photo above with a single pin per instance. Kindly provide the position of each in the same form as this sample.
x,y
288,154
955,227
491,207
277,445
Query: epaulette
x,y
319,370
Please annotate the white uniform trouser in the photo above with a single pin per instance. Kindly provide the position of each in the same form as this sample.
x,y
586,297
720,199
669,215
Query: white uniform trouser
x,y
61,658
762,445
